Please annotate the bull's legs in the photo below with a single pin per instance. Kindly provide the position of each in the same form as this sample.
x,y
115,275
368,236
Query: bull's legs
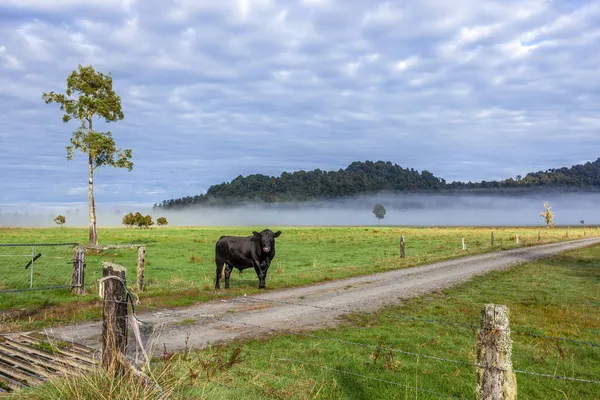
x,y
228,269
219,272
262,274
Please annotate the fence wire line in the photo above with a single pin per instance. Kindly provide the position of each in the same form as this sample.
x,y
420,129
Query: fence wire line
x,y
370,378
437,358
419,319
353,374
34,267
395,316
364,345
37,244
323,366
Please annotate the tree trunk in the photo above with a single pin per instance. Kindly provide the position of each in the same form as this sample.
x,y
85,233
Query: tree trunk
x,y
93,239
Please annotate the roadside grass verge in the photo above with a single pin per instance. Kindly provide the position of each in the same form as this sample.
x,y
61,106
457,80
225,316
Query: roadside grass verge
x,y
180,267
557,296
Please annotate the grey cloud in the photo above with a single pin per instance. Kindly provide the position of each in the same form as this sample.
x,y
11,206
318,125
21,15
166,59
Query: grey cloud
x,y
211,91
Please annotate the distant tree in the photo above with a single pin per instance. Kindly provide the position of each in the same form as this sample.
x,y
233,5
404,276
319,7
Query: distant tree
x,y
60,220
138,219
548,216
148,221
379,211
161,221
143,221
129,220
90,94
582,222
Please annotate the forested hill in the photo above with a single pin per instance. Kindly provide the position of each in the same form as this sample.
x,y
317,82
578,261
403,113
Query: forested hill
x,y
369,178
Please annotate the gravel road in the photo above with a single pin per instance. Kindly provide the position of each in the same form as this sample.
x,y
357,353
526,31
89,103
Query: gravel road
x,y
261,314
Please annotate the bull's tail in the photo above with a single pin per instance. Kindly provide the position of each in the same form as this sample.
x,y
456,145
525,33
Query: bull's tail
x,y
219,264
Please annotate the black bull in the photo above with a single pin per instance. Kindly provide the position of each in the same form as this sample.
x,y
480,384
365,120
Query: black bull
x,y
256,251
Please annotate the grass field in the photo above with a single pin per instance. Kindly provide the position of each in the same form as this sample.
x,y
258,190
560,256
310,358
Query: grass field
x,y
180,262
558,296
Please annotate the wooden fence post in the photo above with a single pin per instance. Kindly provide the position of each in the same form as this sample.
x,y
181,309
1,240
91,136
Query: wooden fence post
x,y
492,240
114,317
402,247
141,264
539,236
463,244
495,378
567,234
78,275
517,238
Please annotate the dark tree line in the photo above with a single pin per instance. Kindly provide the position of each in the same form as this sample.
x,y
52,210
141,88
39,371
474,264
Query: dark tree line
x,y
370,178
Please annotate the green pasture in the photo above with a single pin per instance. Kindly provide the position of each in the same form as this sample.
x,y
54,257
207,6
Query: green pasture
x,y
180,266
558,296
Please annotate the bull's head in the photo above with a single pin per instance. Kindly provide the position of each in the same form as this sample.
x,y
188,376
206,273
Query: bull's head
x,y
266,238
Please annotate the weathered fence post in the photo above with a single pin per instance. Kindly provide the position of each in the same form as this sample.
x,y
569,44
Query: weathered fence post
x,y
517,237
463,244
567,234
495,378
141,264
539,236
402,247
78,275
114,317
492,240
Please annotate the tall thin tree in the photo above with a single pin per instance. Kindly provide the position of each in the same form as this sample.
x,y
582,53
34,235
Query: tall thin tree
x,y
90,95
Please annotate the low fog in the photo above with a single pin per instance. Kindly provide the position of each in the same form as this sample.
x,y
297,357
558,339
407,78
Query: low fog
x,y
402,209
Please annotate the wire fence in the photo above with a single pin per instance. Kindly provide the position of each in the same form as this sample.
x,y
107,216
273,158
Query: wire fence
x,y
50,266
417,355
25,267
380,314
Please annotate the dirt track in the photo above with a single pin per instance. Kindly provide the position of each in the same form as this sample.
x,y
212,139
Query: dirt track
x,y
211,322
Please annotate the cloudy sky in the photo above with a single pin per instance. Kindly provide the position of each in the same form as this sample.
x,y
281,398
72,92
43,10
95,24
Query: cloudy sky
x,y
467,89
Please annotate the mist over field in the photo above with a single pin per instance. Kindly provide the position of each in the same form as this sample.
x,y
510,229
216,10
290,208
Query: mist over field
x,y
448,209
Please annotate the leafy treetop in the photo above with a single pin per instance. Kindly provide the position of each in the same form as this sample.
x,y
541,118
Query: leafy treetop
x,y
89,93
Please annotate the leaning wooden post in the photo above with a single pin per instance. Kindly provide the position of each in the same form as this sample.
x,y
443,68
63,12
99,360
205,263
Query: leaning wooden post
x,y
141,264
492,240
495,378
78,275
402,247
114,317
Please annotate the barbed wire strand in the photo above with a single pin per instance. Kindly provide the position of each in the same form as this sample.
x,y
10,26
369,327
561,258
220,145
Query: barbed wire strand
x,y
37,244
370,378
364,345
420,355
396,316
418,319
353,374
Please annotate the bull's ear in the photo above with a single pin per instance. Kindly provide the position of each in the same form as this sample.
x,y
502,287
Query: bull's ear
x,y
277,234
256,234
